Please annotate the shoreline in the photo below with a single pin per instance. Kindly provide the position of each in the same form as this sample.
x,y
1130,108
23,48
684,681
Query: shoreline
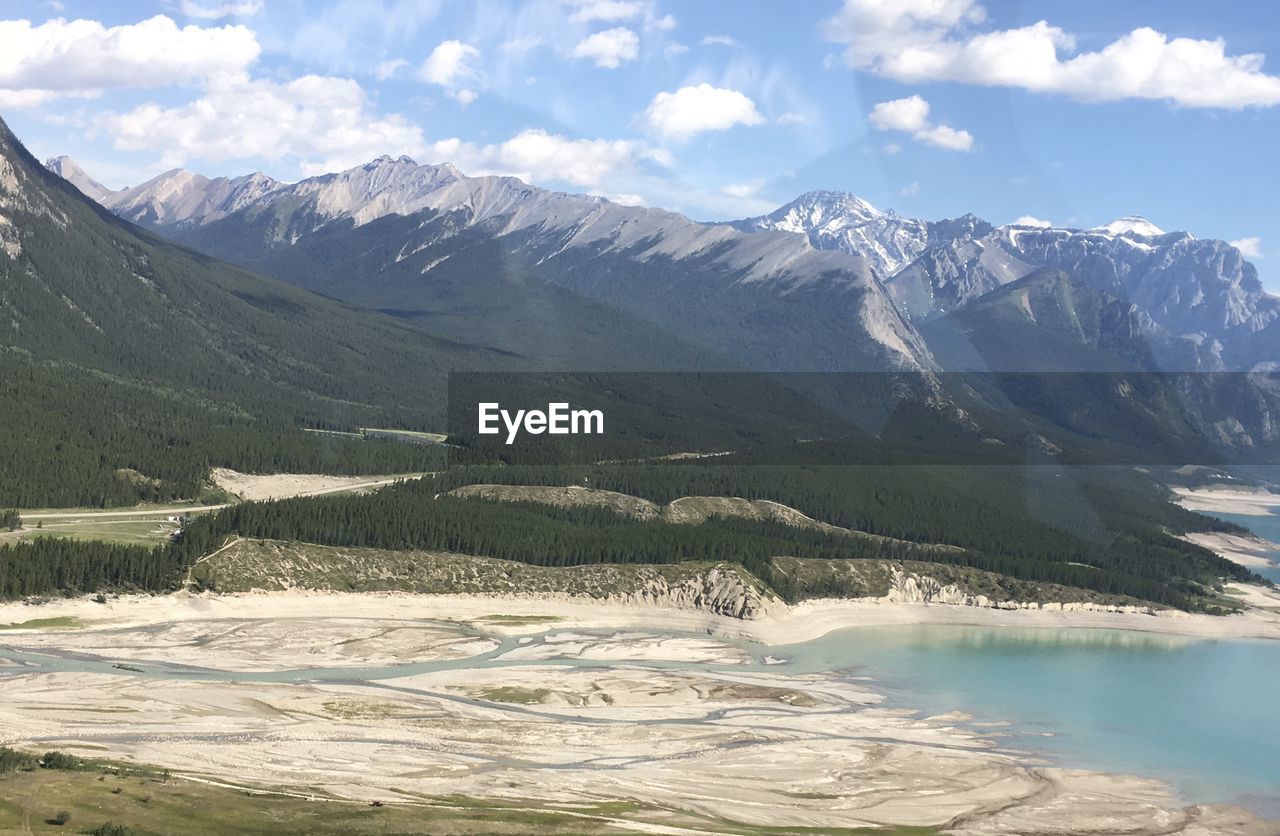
x,y
1245,549
1249,502
589,682
781,625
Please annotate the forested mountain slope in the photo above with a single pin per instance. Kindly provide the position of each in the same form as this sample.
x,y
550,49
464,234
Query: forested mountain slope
x,y
129,365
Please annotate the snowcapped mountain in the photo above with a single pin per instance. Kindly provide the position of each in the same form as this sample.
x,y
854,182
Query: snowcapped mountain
x,y
827,281
1131,225
843,221
1202,296
69,170
1202,293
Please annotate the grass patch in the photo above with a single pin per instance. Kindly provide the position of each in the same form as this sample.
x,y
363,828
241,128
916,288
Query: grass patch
x,y
129,532
516,694
132,802
522,619
61,622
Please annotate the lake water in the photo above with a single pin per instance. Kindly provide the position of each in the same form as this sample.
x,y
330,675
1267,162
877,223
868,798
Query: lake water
x,y
1202,715
1267,527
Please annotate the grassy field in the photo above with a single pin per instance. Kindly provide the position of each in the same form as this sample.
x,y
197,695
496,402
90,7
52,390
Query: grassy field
x,y
62,622
151,802
143,531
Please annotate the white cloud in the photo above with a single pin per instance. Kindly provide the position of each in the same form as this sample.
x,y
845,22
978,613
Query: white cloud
x,y
1030,220
946,137
388,69
936,40
660,24
718,40
538,156
1250,247
464,96
323,122
610,48
743,190
625,198
221,10
791,118
673,49
911,115
621,11
83,57
609,11
16,99
693,110
449,63
893,148
521,44
912,189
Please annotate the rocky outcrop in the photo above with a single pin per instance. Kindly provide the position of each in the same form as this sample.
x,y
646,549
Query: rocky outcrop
x,y
721,590
910,588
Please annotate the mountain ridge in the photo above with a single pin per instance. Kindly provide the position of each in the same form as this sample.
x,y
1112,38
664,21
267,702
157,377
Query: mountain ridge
x,y
410,225
1210,308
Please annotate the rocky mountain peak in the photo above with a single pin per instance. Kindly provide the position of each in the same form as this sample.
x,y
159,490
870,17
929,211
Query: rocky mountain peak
x,y
1131,225
69,170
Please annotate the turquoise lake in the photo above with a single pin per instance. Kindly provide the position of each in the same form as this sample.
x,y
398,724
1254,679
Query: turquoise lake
x,y
1202,715
1267,527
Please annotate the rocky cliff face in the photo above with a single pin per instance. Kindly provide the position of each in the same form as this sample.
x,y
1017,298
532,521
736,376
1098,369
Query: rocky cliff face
x,y
910,588
721,590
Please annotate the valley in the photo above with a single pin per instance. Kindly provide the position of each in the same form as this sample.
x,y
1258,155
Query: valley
x,y
863,521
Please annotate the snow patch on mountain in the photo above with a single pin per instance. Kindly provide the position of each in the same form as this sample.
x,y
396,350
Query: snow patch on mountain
x,y
843,221
1130,225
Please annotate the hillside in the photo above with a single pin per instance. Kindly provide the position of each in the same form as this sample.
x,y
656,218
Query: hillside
x,y
129,365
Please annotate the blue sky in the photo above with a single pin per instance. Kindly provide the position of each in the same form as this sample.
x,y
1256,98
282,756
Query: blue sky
x,y
1074,113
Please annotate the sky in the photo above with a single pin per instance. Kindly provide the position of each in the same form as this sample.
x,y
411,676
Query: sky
x,y
1064,113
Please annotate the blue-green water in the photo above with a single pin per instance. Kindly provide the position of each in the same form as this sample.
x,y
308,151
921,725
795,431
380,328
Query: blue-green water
x,y
1203,715
1267,527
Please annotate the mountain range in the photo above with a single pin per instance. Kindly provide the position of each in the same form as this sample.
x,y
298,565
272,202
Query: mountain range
x,y
1197,303
866,292
536,272
388,275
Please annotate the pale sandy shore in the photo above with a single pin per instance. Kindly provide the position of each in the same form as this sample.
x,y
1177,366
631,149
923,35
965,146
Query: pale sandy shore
x,y
1228,500
1247,550
598,701
781,625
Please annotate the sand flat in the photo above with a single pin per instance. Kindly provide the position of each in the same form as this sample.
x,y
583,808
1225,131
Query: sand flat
x,y
757,748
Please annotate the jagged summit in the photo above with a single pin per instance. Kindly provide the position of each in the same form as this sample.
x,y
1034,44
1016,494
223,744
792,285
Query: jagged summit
x,y
179,196
387,159
834,220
